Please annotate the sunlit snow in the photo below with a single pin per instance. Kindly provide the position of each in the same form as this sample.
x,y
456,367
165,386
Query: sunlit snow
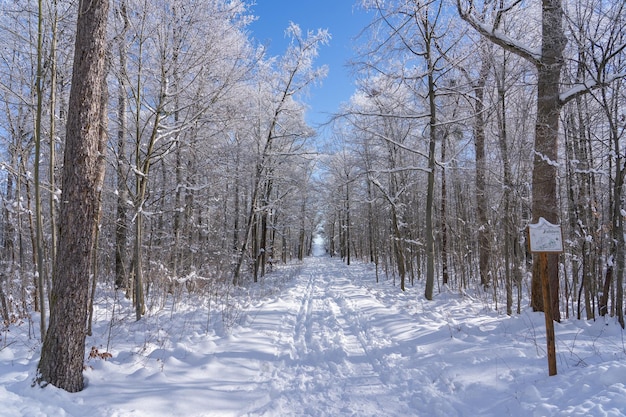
x,y
324,339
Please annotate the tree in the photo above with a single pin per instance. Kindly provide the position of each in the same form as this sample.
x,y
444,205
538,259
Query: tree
x,y
548,61
510,218
295,74
484,243
121,221
415,35
63,349
38,137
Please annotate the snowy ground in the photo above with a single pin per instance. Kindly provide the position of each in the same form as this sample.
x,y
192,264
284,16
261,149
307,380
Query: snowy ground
x,y
330,341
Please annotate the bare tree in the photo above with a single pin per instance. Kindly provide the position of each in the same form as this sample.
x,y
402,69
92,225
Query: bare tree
x,y
122,165
548,60
415,32
63,349
295,74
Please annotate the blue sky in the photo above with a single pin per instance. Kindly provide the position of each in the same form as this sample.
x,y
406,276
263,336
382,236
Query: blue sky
x,y
343,19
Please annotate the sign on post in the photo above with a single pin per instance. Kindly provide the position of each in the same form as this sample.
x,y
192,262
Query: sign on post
x,y
545,237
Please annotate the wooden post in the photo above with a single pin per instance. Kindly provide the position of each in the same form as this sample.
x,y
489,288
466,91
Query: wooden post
x,y
547,311
543,238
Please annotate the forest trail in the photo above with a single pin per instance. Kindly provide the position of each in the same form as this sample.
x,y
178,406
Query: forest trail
x,y
320,338
336,362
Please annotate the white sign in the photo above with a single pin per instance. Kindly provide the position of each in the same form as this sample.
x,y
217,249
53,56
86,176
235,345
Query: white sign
x,y
545,236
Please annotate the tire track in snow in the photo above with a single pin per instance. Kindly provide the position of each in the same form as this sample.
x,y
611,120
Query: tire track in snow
x,y
331,366
358,324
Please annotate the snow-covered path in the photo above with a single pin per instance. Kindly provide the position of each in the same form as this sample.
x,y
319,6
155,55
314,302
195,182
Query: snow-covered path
x,y
331,368
330,341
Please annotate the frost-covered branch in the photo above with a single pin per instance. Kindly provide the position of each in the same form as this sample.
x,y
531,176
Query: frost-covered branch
x,y
498,37
582,88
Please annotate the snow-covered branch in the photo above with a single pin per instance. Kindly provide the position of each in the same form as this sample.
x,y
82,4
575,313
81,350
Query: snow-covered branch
x,y
585,87
547,160
500,38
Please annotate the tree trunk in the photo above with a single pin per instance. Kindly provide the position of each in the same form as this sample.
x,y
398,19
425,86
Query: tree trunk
x,y
302,229
8,226
121,223
398,248
347,228
371,246
63,350
618,225
236,199
484,247
37,179
138,268
53,133
430,237
510,260
444,221
545,197
254,241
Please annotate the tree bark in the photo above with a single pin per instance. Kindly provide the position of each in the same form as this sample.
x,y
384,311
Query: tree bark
x,y
444,221
545,198
63,349
430,190
511,264
37,179
618,223
484,247
52,165
121,223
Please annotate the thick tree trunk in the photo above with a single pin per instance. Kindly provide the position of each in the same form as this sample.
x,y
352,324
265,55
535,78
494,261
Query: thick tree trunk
x,y
63,351
545,197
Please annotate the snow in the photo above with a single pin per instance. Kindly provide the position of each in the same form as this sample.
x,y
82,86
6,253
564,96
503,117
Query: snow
x,y
588,85
547,160
324,339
